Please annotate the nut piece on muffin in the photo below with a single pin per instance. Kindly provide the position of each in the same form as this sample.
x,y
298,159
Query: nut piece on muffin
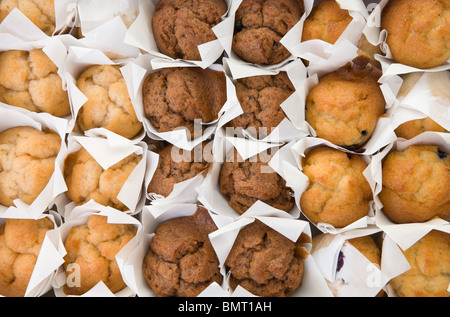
x,y
87,180
259,27
181,261
429,275
176,97
29,79
91,254
20,244
260,98
416,184
244,182
27,163
266,263
180,26
344,107
338,193
418,31
109,105
41,13
177,165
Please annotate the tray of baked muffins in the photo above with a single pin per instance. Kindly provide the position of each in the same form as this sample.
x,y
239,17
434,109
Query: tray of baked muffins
x,y
225,148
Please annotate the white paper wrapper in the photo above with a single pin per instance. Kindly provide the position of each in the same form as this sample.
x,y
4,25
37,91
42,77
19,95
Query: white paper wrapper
x,y
313,284
405,235
140,34
49,258
151,218
135,74
12,117
293,127
79,58
288,163
209,192
347,271
79,216
107,149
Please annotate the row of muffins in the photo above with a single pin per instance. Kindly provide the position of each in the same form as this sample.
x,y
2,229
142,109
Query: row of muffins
x,y
287,195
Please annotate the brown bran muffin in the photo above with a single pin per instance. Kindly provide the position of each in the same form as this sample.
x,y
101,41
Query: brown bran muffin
x,y
109,105
175,97
20,244
327,21
27,163
259,27
260,98
344,107
244,182
180,26
266,263
181,261
92,248
178,168
41,13
29,79
338,193
418,31
429,275
416,184
87,180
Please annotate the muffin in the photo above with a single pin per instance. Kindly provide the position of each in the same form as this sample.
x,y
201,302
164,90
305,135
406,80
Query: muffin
x,y
337,193
326,22
429,275
416,184
344,107
260,98
418,31
29,79
27,162
87,180
181,261
244,182
259,27
413,128
20,244
41,13
266,263
175,166
91,251
180,26
109,105
175,97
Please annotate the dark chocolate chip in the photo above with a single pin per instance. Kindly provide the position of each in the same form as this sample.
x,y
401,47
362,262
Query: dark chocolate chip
x,y
340,262
364,132
442,155
276,44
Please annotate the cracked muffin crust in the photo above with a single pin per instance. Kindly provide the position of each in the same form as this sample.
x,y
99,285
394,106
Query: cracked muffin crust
x,y
181,260
175,166
27,162
180,26
327,21
175,97
265,262
20,244
29,79
416,184
259,27
87,180
40,12
109,105
418,31
338,193
429,275
91,251
260,98
245,182
344,107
